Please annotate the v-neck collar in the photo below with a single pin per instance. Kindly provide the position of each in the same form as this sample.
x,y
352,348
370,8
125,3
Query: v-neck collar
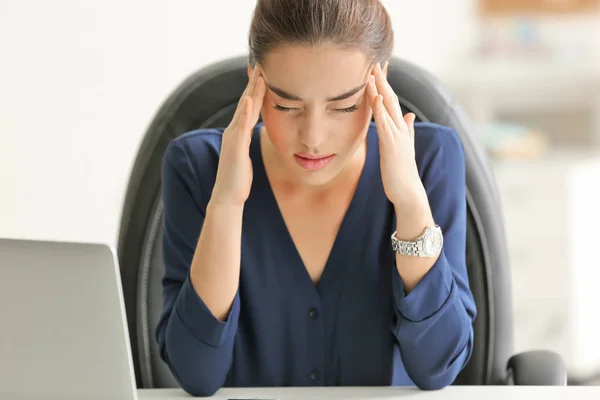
x,y
352,221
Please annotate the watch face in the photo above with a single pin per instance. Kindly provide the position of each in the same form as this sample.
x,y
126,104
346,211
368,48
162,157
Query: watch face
x,y
432,243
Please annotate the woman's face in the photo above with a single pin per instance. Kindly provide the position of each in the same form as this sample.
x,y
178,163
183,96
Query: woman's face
x,y
315,110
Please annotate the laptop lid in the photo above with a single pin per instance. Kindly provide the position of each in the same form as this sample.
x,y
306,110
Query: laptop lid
x,y
63,325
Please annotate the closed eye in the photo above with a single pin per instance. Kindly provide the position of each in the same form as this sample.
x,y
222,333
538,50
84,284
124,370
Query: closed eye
x,y
341,110
285,109
348,109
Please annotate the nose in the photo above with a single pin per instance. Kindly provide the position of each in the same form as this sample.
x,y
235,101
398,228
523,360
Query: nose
x,y
312,132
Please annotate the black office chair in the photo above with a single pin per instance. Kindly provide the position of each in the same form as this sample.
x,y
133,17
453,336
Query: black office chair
x,y
208,99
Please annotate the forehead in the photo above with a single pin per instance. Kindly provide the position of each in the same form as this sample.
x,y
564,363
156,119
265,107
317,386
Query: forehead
x,y
315,73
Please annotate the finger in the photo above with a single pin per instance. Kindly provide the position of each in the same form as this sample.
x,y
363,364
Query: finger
x,y
410,122
248,91
372,91
386,124
258,98
372,96
246,122
382,120
390,99
253,80
391,123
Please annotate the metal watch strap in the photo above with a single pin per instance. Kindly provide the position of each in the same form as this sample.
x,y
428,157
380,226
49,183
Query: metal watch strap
x,y
406,248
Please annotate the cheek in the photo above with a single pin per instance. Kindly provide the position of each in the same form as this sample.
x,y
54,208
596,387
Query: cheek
x,y
364,115
355,126
278,128
275,120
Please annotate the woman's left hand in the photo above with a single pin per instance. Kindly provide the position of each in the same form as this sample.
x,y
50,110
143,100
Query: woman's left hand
x,y
399,172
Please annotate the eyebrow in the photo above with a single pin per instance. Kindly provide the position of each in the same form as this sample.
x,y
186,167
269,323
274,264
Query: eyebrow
x,y
289,96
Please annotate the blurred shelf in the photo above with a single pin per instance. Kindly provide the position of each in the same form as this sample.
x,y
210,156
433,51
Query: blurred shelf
x,y
487,89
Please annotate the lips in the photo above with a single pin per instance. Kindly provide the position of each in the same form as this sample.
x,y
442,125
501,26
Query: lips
x,y
313,162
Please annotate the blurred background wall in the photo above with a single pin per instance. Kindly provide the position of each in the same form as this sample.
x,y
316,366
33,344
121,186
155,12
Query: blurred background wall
x,y
81,80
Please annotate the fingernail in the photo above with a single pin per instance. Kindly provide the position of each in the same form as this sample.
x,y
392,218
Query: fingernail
x,y
379,67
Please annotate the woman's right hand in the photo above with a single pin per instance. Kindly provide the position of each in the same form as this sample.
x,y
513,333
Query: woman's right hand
x,y
234,173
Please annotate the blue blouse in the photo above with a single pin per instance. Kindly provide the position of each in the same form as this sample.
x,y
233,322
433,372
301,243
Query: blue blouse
x,y
356,326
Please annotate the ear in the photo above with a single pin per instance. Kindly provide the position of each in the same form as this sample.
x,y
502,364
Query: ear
x,y
249,70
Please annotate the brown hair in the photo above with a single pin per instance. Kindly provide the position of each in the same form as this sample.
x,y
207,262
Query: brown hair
x,y
349,24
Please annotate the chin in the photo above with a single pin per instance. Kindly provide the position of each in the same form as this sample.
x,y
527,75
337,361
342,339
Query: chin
x,y
316,180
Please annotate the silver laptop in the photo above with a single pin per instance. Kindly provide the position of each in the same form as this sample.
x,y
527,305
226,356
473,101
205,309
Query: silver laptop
x,y
63,329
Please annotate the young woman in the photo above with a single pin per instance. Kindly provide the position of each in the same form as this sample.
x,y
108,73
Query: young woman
x,y
316,247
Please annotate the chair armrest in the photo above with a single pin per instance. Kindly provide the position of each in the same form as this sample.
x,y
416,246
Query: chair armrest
x,y
537,368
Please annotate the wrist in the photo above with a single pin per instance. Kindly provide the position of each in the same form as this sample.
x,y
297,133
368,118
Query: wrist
x,y
219,207
411,220
410,194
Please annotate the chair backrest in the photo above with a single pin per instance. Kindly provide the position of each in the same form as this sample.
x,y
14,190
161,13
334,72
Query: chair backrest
x,y
208,98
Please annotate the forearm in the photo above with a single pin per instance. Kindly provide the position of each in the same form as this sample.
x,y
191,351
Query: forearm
x,y
434,324
199,353
411,222
435,342
198,337
215,269
434,306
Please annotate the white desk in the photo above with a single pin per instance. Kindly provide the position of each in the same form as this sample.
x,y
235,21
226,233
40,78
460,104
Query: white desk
x,y
366,393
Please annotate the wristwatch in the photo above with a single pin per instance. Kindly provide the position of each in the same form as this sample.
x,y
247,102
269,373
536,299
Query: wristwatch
x,y
428,244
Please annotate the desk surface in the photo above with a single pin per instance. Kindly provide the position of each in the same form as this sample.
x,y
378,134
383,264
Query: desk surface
x,y
366,393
